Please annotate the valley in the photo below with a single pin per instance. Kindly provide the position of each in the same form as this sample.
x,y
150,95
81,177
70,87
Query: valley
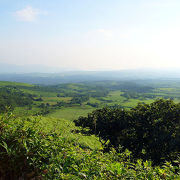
x,y
47,114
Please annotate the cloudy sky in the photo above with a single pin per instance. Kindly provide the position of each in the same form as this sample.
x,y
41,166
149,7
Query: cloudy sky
x,y
91,34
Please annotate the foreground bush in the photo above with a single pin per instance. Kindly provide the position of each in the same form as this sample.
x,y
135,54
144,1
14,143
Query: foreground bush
x,y
26,152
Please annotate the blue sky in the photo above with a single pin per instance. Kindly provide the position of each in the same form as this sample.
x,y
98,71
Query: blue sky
x,y
91,34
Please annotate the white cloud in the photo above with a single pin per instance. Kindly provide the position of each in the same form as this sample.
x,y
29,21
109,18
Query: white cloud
x,y
27,14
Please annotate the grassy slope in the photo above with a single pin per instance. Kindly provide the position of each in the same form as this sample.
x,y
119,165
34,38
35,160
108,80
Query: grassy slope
x,y
8,83
71,113
66,128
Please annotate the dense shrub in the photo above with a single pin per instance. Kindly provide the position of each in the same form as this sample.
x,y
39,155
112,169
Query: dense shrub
x,y
150,131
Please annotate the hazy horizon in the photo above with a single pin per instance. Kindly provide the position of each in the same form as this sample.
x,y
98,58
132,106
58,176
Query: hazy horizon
x,y
6,68
90,35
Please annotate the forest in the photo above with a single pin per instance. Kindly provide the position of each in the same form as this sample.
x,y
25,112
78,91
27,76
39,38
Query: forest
x,y
90,130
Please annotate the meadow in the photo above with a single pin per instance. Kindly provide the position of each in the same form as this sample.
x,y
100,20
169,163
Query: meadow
x,y
98,95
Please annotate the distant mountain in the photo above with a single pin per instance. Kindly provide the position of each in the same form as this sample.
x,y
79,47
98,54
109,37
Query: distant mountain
x,y
39,74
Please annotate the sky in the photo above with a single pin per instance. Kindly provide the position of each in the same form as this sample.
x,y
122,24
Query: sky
x,y
91,34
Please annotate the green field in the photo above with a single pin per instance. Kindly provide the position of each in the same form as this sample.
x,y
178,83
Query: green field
x,y
99,95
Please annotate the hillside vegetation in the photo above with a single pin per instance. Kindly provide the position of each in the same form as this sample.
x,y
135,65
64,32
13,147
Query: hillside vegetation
x,y
28,151
116,138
